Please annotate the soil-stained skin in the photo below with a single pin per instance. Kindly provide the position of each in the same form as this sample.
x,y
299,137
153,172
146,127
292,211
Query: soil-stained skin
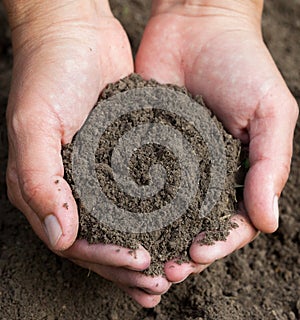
x,y
173,240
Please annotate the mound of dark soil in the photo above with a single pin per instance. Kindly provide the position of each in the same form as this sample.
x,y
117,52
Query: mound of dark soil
x,y
172,240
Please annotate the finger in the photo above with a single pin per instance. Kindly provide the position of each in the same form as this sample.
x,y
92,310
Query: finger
x,y
154,285
239,237
107,254
144,299
153,63
15,197
271,143
40,170
97,253
177,273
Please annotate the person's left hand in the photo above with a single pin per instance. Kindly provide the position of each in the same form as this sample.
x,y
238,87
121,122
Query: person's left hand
x,y
218,52
65,52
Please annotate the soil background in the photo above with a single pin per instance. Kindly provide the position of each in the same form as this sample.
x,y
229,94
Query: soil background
x,y
260,281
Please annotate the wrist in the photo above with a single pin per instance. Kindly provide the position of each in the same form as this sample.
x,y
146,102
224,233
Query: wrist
x,y
38,12
204,7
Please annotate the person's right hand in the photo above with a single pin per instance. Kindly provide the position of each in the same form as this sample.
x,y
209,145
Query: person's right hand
x,y
65,52
215,49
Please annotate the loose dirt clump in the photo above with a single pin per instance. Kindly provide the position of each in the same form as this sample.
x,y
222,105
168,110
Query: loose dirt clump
x,y
171,241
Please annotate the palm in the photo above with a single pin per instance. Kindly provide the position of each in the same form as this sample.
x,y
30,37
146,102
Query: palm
x,y
224,59
57,78
68,72
228,65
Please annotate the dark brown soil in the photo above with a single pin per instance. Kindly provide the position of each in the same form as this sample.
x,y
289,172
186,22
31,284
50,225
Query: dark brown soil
x,y
261,281
171,240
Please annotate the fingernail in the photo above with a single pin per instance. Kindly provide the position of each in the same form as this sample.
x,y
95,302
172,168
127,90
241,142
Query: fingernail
x,y
148,291
53,229
275,208
177,282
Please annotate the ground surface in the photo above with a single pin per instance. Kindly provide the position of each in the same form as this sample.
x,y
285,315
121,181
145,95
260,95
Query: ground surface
x,y
261,281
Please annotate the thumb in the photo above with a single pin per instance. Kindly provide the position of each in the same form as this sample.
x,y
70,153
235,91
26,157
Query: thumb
x,y
165,66
271,142
35,142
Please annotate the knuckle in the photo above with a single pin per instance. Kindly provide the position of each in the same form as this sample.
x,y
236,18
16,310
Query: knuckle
x,y
283,173
295,109
286,168
12,184
11,197
15,124
20,123
11,177
30,189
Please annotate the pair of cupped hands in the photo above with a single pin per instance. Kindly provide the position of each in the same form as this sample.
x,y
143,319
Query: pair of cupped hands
x,y
65,52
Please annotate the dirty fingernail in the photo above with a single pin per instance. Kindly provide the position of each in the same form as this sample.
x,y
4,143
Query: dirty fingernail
x,y
53,229
275,208
149,291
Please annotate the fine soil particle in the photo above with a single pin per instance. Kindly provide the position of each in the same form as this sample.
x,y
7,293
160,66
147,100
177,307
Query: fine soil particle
x,y
171,241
